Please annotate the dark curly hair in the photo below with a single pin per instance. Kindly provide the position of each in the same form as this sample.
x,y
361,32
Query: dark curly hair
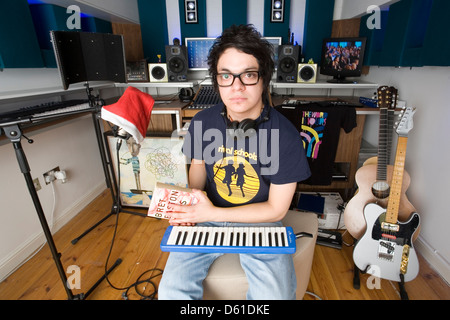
x,y
247,39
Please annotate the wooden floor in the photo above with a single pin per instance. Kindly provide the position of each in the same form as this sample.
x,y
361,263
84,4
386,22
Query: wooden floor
x,y
137,244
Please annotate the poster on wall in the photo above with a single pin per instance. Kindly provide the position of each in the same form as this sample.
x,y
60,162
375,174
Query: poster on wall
x,y
158,159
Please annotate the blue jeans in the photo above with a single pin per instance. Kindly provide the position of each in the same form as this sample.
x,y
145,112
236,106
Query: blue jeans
x,y
270,276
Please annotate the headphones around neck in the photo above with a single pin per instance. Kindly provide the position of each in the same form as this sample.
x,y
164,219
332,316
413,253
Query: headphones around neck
x,y
246,127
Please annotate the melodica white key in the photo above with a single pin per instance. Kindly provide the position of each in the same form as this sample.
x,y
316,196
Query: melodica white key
x,y
274,240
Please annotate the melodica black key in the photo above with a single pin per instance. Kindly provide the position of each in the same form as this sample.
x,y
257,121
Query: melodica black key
x,y
251,240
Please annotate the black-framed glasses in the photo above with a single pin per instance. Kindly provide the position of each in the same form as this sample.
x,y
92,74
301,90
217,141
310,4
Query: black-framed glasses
x,y
248,78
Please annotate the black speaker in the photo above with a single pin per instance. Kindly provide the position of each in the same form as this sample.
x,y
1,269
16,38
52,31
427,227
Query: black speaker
x,y
288,58
177,65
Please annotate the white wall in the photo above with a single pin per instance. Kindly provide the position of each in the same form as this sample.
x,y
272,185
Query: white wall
x,y
71,146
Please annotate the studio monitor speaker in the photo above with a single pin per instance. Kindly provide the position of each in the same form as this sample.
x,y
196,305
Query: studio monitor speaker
x,y
158,72
307,73
177,63
288,58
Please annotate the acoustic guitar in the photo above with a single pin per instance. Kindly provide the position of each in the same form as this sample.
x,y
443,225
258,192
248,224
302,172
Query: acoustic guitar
x,y
374,177
386,248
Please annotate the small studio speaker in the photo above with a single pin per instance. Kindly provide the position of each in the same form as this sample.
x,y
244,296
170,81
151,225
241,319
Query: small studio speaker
x,y
307,73
177,63
158,72
288,58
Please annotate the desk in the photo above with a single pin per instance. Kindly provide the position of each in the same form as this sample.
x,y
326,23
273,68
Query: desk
x,y
174,107
145,86
159,122
170,106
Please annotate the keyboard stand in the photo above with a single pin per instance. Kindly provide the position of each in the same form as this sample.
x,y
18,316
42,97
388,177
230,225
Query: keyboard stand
x,y
14,134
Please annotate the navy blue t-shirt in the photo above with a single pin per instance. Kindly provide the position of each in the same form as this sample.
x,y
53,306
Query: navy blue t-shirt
x,y
240,171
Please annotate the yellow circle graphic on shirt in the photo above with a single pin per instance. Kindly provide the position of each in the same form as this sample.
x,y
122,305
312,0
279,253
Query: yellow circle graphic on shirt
x,y
236,180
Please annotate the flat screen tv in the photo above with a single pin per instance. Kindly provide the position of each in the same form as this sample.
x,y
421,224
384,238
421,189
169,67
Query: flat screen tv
x,y
342,58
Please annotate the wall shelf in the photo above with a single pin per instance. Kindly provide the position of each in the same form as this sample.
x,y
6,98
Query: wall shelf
x,y
187,84
323,84
11,96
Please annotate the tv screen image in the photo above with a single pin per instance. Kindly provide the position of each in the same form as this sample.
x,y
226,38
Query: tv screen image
x,y
342,57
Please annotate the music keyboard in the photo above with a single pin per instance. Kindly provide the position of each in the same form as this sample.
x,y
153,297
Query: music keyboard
x,y
47,110
251,240
65,110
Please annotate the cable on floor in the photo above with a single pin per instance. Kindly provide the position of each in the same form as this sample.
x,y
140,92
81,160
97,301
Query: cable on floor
x,y
140,280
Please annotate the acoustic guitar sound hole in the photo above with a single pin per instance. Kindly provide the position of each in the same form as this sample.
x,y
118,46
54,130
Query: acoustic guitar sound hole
x,y
381,189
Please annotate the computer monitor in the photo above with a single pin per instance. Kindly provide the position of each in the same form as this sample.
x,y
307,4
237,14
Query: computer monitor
x,y
198,51
276,42
342,57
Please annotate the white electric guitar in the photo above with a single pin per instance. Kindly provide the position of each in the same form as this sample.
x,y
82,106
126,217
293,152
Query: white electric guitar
x,y
386,250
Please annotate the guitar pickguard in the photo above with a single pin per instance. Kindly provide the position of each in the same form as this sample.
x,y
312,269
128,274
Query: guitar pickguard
x,y
401,237
386,249
391,235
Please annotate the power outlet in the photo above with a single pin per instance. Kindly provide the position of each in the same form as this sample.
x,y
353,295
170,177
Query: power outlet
x,y
37,184
49,176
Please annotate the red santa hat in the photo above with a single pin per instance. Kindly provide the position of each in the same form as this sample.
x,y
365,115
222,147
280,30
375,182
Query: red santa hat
x,y
131,112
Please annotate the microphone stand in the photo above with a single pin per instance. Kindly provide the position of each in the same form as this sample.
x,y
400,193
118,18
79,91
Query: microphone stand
x,y
111,183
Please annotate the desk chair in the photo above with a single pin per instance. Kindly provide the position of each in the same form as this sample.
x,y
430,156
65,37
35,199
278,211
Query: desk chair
x,y
226,279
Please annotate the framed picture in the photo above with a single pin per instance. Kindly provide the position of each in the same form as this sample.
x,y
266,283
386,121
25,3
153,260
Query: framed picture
x,y
158,159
